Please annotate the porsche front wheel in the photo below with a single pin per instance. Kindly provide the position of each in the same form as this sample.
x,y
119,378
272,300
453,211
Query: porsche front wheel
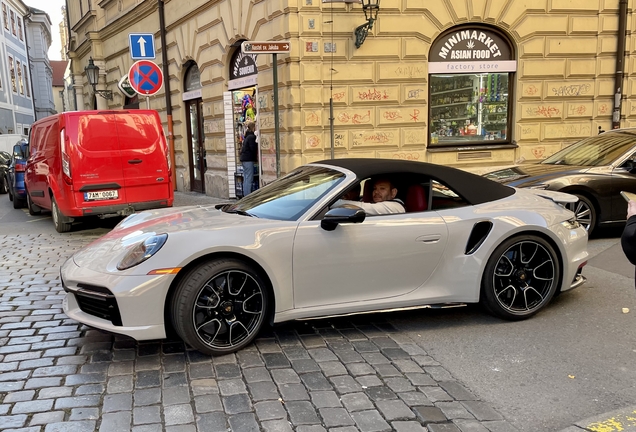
x,y
220,306
520,278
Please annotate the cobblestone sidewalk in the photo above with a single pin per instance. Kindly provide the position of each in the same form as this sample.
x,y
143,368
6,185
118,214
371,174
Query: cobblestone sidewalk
x,y
341,375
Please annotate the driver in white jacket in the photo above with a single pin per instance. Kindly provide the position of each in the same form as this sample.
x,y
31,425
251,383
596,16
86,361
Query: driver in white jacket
x,y
384,201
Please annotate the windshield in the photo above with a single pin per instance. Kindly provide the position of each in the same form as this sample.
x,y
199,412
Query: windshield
x,y
288,197
595,151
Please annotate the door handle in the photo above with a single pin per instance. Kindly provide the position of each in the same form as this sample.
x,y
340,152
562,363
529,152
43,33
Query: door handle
x,y
135,161
433,238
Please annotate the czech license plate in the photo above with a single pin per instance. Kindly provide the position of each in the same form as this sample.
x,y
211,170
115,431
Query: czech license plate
x,y
101,195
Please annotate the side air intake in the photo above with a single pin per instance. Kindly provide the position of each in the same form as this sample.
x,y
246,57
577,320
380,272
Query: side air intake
x,y
477,236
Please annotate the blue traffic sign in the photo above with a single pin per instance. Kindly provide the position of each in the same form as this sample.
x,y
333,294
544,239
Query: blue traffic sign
x,y
145,77
142,46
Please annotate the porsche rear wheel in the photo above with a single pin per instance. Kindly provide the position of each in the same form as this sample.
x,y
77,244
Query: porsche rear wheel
x,y
585,212
220,306
520,278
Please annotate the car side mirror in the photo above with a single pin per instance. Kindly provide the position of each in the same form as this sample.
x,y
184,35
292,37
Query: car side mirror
x,y
342,215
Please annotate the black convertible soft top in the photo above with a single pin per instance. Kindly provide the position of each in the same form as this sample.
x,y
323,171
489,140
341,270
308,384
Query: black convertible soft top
x,y
473,188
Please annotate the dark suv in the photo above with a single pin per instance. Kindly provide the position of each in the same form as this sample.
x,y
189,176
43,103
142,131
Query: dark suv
x,y
14,177
5,159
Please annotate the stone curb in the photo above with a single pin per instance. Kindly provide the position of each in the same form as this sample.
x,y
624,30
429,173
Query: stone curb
x,y
623,420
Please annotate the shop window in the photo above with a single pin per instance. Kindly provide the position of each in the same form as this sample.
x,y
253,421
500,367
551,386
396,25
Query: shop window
x,y
5,18
469,108
470,88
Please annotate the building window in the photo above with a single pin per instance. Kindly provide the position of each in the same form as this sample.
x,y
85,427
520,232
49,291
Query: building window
x,y
20,81
5,18
13,24
12,74
26,80
20,29
471,73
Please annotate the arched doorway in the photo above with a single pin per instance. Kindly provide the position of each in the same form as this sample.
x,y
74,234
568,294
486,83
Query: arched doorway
x,y
192,96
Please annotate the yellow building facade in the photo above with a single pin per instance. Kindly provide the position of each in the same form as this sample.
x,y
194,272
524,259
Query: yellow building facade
x,y
468,83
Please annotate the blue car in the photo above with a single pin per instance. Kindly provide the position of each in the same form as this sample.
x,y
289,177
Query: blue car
x,y
14,178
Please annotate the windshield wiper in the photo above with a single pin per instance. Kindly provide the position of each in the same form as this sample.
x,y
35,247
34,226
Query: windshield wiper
x,y
241,212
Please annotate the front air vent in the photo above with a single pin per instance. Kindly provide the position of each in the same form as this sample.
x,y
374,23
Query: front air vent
x,y
478,236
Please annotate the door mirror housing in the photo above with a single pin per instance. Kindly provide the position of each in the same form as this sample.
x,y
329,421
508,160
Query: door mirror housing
x,y
339,215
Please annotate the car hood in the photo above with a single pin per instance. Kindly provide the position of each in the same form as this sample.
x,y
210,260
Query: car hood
x,y
193,220
531,174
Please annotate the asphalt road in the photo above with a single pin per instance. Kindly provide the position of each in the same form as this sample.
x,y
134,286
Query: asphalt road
x,y
572,361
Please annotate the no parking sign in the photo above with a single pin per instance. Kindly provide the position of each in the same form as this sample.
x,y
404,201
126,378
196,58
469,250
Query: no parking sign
x,y
145,77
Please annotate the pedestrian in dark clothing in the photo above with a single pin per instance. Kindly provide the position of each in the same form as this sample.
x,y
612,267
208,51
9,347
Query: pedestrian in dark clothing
x,y
249,156
628,239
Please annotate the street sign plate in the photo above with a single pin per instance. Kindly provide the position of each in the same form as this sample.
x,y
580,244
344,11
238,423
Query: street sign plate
x,y
142,45
267,47
125,87
145,77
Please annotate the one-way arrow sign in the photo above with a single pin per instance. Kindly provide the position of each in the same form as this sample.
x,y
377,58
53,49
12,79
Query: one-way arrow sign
x,y
142,46
267,47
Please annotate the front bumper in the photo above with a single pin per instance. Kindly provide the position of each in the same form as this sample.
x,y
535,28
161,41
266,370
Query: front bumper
x,y
128,305
575,255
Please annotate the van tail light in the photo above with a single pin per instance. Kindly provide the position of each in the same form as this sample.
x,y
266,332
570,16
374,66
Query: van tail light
x,y
66,160
20,166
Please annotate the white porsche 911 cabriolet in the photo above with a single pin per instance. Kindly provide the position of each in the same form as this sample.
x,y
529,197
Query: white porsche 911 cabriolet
x,y
217,274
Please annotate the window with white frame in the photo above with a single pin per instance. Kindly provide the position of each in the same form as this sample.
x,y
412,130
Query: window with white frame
x,y
13,30
26,80
12,73
5,17
20,29
20,81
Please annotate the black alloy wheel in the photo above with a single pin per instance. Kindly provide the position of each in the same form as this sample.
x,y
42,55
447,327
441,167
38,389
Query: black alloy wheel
x,y
4,185
33,209
521,277
585,212
60,221
220,306
9,190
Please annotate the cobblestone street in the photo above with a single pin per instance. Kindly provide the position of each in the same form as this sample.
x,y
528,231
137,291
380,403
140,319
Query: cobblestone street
x,y
343,375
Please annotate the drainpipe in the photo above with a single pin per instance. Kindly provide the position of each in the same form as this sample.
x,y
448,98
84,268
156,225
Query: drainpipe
x,y
620,57
166,82
26,42
67,42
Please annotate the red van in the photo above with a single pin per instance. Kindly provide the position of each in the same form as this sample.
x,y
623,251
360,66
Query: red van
x,y
97,163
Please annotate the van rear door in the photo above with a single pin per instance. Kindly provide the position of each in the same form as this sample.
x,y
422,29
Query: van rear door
x,y
96,165
144,157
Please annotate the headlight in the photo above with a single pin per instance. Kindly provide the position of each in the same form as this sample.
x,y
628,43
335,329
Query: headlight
x,y
539,186
142,251
571,223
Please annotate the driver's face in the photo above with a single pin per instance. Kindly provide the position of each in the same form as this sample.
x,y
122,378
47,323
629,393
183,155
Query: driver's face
x,y
382,191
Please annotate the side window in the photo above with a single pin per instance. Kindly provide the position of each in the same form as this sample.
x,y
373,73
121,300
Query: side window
x,y
443,197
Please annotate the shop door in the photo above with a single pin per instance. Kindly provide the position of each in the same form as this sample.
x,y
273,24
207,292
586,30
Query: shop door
x,y
196,138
